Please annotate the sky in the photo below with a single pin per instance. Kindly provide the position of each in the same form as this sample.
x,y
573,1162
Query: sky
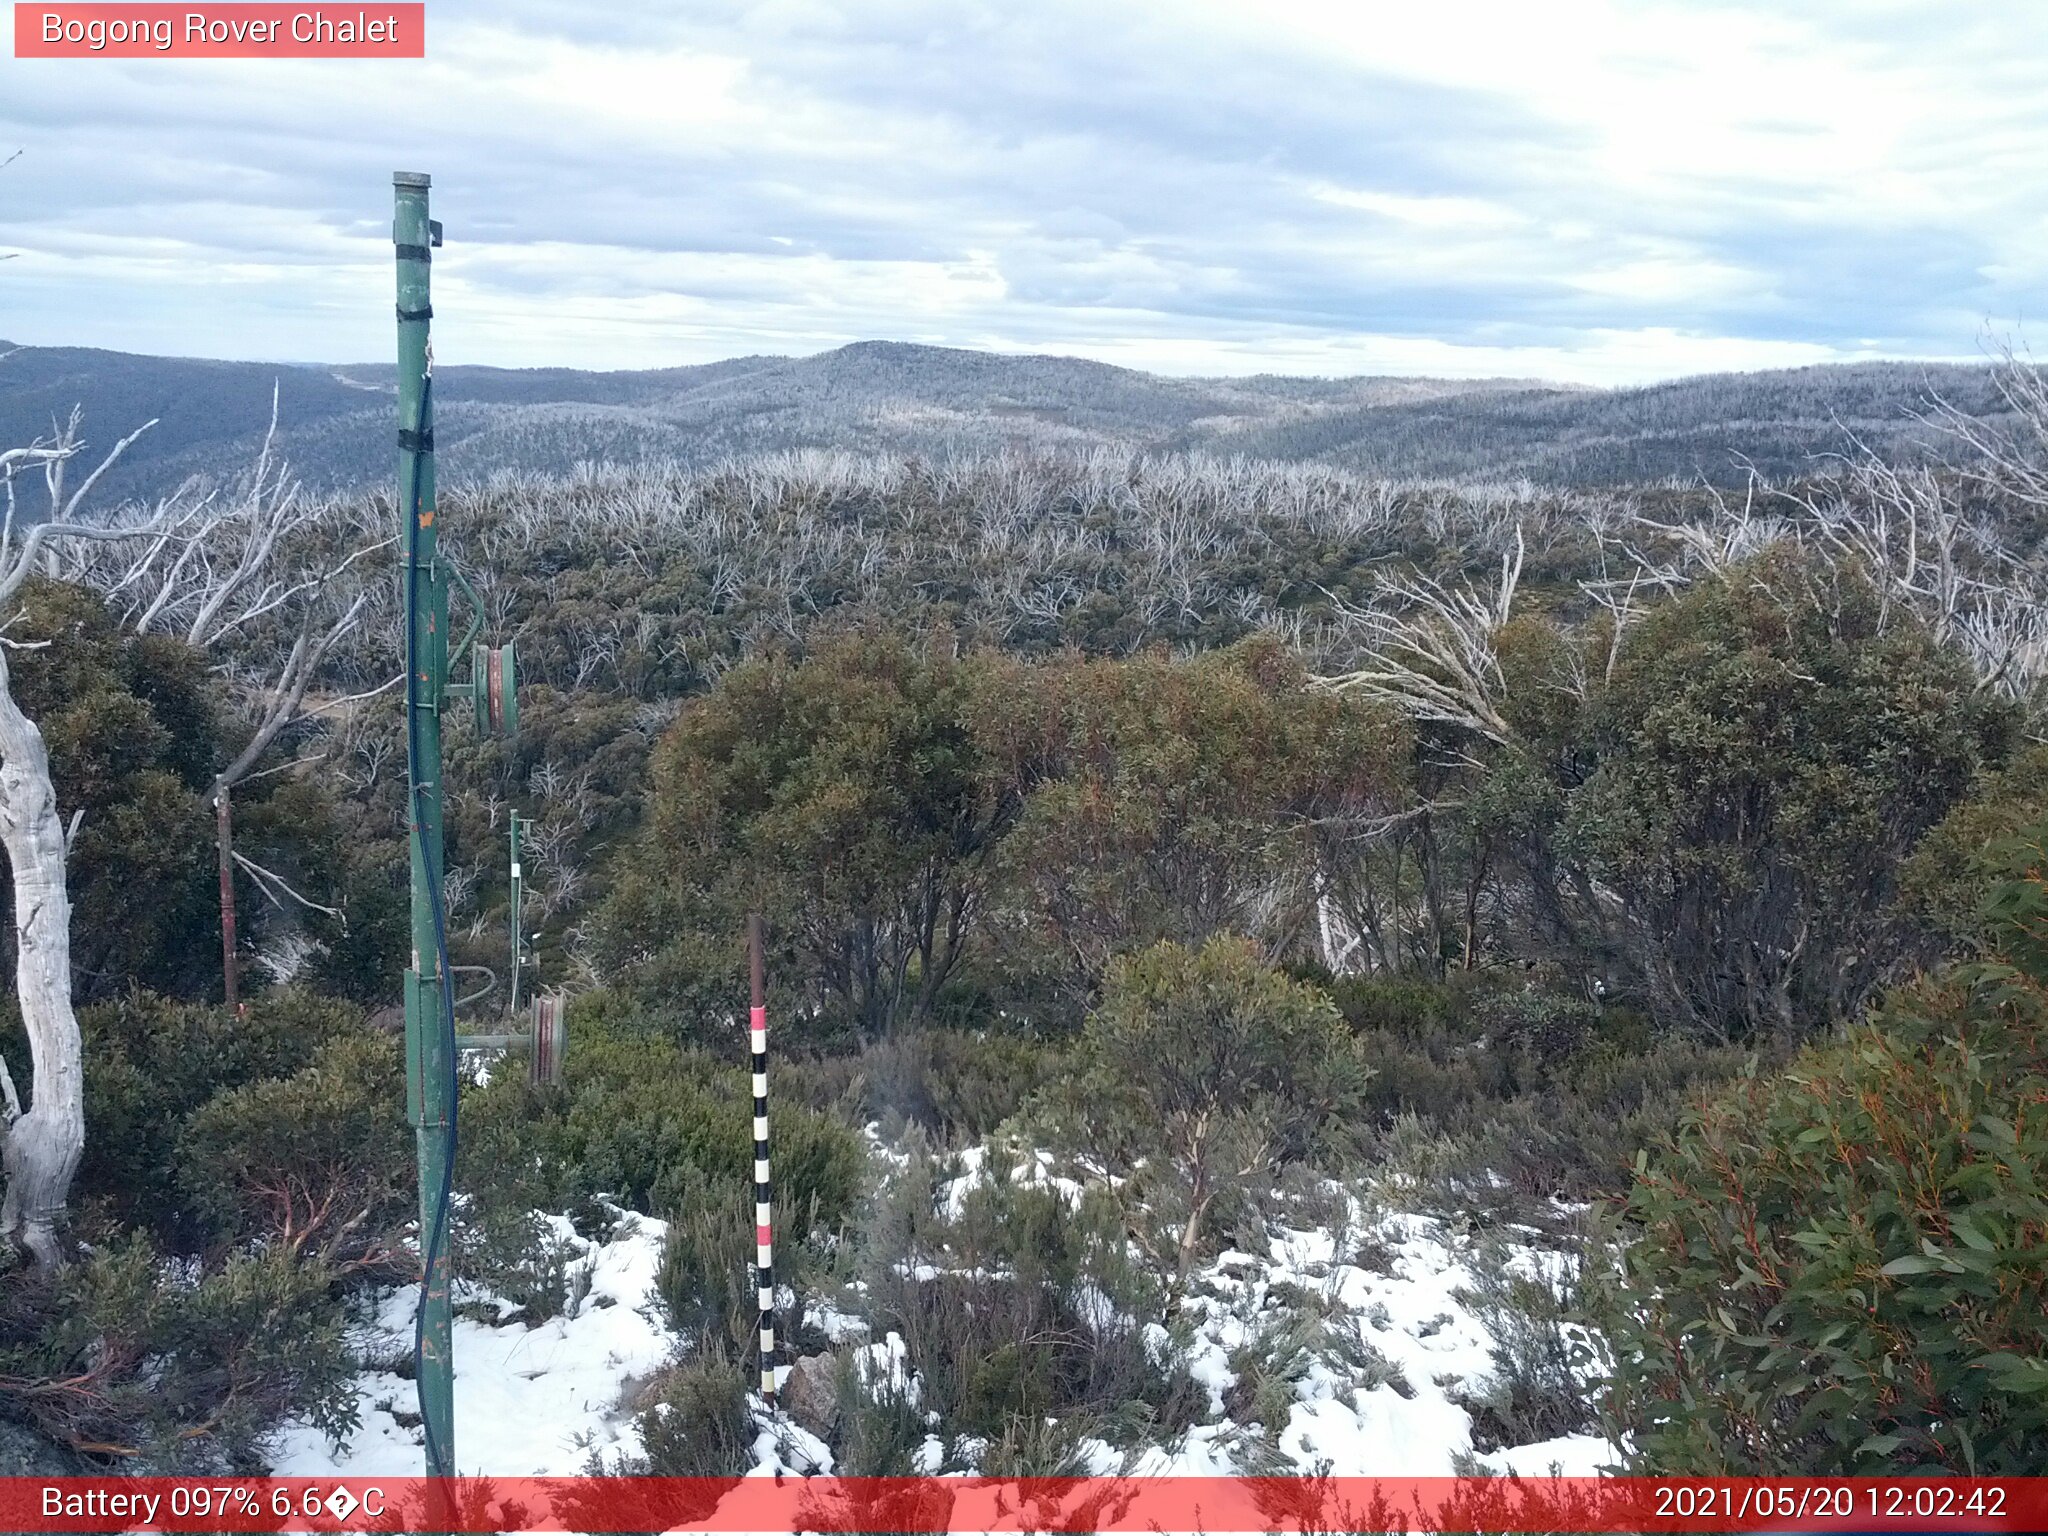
x,y
1601,191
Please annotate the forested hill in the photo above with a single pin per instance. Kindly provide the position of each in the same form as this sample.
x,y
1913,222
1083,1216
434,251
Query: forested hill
x,y
888,397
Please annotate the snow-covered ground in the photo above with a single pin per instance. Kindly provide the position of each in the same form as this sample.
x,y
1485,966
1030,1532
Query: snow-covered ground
x,y
1344,1422
529,1401
537,1401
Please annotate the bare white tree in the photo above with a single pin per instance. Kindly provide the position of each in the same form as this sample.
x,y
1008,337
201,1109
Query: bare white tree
x,y
1429,648
1932,542
2011,461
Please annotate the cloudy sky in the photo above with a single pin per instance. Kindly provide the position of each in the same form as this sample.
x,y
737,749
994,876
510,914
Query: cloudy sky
x,y
1606,192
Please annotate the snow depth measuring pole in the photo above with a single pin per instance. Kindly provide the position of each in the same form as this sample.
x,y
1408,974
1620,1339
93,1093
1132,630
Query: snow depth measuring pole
x,y
764,1226
430,1039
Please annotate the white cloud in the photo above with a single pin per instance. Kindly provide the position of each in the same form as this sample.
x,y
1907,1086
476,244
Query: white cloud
x,y
1430,213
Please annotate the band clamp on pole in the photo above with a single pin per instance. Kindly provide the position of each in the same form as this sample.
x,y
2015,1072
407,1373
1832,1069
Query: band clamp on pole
x,y
764,1240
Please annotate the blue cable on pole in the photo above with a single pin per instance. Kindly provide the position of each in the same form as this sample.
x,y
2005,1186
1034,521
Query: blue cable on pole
x,y
434,1240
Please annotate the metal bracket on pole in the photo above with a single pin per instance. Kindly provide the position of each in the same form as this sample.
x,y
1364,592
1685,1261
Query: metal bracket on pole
x,y
493,682
494,689
550,1039
546,1039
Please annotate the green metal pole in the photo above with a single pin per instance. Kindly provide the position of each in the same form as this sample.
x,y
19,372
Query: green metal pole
x,y
518,939
428,1068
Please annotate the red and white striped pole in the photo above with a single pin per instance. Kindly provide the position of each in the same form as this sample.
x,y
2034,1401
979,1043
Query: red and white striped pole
x,y
764,1245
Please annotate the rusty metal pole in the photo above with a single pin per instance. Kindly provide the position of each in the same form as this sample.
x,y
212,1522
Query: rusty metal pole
x,y
224,839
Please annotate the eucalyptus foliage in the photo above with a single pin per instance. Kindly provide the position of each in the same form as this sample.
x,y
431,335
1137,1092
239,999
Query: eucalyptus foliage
x,y
1843,1268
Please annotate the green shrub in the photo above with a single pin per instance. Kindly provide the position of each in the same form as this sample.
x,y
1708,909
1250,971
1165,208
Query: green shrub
x,y
2013,915
151,1062
696,1422
1534,1086
1047,1448
1199,1068
172,1365
1971,849
846,793
1296,1334
275,1137
136,726
1582,1132
1174,799
636,1120
1539,1026
1404,1007
361,958
1767,758
1544,1378
1573,1134
707,1280
518,1256
1839,1269
1014,1305
959,1084
320,1162
881,1426
131,724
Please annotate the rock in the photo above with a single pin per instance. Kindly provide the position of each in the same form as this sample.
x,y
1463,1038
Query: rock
x,y
810,1394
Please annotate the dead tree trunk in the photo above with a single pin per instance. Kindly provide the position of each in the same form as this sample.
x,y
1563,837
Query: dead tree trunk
x,y
44,1145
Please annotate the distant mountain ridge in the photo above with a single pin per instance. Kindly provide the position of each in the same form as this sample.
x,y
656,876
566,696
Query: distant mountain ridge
x,y
899,398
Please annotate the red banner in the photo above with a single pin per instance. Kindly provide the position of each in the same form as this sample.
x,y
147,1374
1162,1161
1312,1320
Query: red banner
x,y
214,31
1212,1505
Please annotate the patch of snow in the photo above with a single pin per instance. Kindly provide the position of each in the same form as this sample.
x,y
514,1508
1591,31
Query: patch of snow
x,y
837,1326
1570,1455
1377,1398
1344,1419
784,1449
529,1402
1036,1171
885,1368
1385,1435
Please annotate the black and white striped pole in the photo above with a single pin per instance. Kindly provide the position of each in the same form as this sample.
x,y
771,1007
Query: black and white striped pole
x,y
764,1240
